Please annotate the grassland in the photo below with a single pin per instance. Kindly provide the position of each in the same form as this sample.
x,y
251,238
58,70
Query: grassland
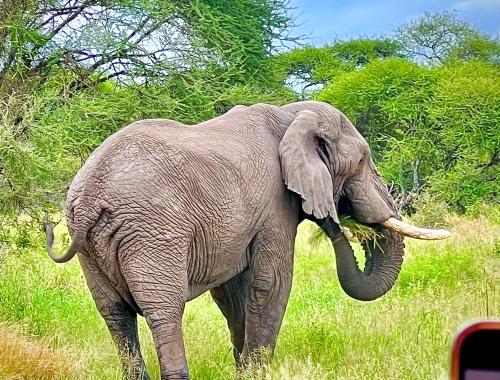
x,y
49,327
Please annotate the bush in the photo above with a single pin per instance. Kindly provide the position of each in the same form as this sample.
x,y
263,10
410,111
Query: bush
x,y
429,128
429,212
466,111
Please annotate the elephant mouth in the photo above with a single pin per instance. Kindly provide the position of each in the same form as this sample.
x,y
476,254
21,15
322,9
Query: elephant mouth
x,y
344,206
345,209
349,224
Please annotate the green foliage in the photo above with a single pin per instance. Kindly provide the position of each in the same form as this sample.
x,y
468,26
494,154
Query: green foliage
x,y
241,32
135,60
477,47
356,53
385,100
434,128
301,66
466,110
128,39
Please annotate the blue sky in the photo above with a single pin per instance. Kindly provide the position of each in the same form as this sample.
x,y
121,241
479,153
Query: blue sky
x,y
323,20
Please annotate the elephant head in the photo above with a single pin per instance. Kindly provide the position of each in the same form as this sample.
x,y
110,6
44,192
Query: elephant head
x,y
327,162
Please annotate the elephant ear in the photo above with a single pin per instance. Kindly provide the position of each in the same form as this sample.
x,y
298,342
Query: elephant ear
x,y
303,170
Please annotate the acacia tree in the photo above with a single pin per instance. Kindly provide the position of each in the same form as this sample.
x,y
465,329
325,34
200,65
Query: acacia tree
x,y
435,38
74,71
431,129
138,40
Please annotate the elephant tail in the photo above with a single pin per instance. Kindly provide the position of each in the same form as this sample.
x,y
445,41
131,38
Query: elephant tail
x,y
81,227
77,244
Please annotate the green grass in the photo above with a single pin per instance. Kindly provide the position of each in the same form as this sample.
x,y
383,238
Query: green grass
x,y
325,334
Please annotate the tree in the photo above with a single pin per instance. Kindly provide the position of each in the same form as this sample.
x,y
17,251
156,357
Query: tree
x,y
138,40
387,100
312,67
465,110
74,71
430,128
437,37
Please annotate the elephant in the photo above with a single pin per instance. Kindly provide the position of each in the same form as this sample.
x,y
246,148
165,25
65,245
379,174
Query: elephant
x,y
162,212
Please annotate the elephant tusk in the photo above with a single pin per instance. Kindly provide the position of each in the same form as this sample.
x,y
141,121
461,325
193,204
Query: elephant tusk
x,y
405,229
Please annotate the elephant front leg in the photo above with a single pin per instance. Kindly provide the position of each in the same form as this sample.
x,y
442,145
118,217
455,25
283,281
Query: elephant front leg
x,y
270,284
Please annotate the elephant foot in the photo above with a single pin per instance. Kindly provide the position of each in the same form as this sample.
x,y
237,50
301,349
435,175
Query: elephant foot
x,y
175,375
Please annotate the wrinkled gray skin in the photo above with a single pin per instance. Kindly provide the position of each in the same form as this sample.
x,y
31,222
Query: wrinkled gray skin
x,y
162,212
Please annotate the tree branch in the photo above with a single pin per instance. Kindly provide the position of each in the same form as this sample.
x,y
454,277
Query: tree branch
x,y
78,11
119,53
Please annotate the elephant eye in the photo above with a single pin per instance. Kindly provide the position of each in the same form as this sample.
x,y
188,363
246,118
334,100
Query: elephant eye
x,y
360,164
365,155
362,159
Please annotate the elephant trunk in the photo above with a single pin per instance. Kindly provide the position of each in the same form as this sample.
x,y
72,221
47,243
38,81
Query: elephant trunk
x,y
384,257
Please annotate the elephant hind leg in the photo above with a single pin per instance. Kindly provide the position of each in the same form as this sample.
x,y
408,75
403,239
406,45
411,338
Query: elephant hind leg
x,y
122,323
157,279
120,318
230,297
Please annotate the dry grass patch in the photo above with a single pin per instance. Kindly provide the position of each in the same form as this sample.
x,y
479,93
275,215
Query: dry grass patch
x,y
22,357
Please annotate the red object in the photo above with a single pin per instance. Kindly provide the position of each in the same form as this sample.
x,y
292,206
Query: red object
x,y
475,353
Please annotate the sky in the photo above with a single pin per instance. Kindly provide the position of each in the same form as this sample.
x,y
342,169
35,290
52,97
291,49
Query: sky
x,y
324,20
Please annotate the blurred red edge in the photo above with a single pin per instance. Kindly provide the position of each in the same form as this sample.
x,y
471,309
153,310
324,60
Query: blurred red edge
x,y
460,338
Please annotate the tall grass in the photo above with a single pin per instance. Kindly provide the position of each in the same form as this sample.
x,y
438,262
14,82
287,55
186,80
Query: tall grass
x,y
325,334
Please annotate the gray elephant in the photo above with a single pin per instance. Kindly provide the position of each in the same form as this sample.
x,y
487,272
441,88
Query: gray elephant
x,y
162,212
